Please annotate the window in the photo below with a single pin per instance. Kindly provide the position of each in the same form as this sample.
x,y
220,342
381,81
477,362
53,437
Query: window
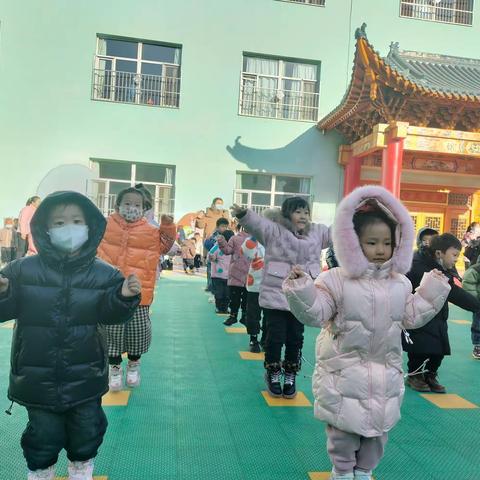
x,y
279,89
317,3
143,73
114,176
260,191
459,12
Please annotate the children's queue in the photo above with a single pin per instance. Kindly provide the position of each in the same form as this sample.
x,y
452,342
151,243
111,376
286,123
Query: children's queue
x,y
76,314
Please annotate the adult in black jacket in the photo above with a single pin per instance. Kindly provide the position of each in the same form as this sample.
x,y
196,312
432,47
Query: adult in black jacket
x,y
59,363
431,341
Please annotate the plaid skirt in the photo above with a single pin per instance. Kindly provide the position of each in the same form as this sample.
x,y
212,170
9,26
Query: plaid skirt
x,y
134,337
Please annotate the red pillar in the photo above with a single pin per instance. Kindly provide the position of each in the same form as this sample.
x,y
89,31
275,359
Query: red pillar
x,y
352,174
392,158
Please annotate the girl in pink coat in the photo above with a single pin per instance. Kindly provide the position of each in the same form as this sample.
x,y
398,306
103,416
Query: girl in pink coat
x,y
362,308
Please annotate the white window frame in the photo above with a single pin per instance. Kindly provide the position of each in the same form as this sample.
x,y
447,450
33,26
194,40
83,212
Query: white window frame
x,y
107,207
305,2
279,78
272,192
98,58
433,9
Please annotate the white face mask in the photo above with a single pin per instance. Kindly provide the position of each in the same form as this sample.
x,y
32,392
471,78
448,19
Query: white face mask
x,y
130,214
219,206
69,238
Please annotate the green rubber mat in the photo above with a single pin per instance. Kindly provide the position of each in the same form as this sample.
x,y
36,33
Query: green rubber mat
x,y
199,413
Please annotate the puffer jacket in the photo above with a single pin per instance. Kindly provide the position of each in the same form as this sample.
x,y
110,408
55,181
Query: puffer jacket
x,y
59,354
362,308
471,280
136,248
284,249
189,249
255,252
239,264
220,263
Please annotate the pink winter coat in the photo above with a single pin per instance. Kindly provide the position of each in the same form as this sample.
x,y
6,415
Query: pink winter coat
x,y
220,263
239,264
283,250
362,308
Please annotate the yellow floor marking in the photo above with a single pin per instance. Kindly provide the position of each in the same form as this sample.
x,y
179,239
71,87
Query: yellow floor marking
x,y
299,401
236,330
9,325
252,356
94,478
450,400
116,399
462,322
321,475
223,314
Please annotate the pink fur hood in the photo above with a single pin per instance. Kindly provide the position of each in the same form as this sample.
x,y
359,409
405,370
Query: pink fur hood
x,y
346,243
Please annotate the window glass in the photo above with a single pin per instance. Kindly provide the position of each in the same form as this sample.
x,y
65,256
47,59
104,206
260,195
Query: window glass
x,y
253,181
116,170
160,53
292,184
121,48
150,172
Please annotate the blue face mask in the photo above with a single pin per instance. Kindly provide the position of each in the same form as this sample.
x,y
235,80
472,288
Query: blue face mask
x,y
69,238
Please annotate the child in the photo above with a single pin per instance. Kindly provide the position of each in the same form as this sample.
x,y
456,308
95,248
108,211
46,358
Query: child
x,y
289,238
188,255
237,276
134,246
255,252
59,368
7,242
197,260
220,266
361,308
471,284
431,343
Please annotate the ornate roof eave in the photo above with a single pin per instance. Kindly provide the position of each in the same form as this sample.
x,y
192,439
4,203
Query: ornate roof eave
x,y
370,73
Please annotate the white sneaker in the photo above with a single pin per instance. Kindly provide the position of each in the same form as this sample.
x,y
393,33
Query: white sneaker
x,y
80,470
115,380
47,474
133,374
338,476
360,475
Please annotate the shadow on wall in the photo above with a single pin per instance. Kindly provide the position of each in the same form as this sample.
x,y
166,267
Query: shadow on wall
x,y
312,154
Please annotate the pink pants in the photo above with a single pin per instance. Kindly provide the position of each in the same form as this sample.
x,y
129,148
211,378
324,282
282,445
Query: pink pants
x,y
349,451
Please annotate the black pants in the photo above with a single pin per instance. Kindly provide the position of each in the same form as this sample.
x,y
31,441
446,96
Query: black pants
x,y
283,329
188,264
79,431
197,261
254,313
8,255
238,298
220,291
415,362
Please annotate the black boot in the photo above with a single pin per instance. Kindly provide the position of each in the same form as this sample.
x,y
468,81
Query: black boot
x,y
273,375
289,387
231,320
254,345
432,382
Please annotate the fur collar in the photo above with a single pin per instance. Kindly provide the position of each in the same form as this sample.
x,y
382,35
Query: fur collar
x,y
275,215
346,243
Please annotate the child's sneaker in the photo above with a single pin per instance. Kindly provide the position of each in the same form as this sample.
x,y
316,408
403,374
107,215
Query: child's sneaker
x,y
417,383
361,475
432,382
47,474
231,320
133,373
254,346
341,476
80,470
289,387
476,352
272,381
115,380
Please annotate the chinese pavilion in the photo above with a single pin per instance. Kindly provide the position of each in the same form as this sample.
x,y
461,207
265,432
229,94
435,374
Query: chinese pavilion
x,y
411,122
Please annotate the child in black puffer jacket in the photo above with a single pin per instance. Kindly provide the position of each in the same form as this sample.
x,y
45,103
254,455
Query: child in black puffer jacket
x,y
59,363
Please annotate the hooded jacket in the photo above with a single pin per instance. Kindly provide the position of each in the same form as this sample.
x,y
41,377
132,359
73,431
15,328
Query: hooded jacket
x,y
59,355
362,308
239,264
136,248
284,248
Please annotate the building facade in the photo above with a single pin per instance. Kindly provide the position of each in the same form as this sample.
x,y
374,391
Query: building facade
x,y
194,98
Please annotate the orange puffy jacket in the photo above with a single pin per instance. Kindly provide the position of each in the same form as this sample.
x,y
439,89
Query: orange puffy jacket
x,y
136,248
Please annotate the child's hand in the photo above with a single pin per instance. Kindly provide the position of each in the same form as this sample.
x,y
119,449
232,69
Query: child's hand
x,y
437,273
296,272
166,219
131,286
4,283
237,210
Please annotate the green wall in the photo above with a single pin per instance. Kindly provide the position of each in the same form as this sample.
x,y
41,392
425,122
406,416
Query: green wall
x,y
47,118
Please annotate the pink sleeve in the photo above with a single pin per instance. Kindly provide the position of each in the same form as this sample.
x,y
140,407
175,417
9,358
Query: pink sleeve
x,y
25,219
